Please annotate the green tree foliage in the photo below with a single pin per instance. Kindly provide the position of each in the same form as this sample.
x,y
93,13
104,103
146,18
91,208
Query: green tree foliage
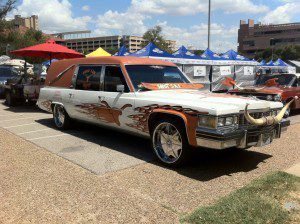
x,y
154,35
6,7
286,53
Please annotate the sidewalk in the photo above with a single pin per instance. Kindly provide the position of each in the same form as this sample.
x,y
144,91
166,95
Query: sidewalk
x,y
294,170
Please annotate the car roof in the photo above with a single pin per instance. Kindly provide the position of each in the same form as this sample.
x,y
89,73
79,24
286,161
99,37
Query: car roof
x,y
117,60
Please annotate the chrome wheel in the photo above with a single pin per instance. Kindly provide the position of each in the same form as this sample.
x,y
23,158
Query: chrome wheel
x,y
59,115
167,142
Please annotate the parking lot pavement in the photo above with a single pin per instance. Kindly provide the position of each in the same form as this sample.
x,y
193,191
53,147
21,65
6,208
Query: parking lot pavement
x,y
96,149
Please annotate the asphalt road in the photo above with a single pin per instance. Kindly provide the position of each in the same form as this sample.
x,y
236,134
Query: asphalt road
x,y
99,150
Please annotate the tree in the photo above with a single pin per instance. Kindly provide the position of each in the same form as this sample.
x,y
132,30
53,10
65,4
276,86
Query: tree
x,y
154,35
6,7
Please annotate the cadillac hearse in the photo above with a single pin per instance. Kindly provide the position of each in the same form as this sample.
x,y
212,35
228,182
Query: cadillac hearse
x,y
154,98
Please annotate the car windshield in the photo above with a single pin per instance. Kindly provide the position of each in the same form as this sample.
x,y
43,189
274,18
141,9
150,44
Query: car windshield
x,y
281,79
8,72
154,74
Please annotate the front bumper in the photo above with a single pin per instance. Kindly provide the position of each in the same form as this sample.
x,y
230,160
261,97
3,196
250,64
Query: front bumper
x,y
243,137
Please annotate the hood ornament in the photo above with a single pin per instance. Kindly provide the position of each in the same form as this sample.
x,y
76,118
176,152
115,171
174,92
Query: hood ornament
x,y
268,120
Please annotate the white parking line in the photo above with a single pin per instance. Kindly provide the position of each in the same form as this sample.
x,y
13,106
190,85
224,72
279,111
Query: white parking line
x,y
18,119
28,132
53,136
20,125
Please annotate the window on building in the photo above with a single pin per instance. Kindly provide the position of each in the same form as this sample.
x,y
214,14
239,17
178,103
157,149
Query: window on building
x,y
113,77
88,78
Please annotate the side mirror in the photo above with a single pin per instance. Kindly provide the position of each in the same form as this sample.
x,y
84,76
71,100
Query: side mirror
x,y
120,88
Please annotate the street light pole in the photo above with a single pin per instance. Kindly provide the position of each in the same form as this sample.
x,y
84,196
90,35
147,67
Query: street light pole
x,y
208,25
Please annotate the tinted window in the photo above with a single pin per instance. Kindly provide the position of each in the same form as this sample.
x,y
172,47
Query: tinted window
x,y
114,77
281,79
154,74
88,78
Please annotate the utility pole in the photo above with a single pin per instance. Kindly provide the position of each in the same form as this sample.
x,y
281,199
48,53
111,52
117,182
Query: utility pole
x,y
208,25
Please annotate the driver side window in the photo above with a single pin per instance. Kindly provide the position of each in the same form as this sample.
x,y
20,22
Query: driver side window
x,y
113,77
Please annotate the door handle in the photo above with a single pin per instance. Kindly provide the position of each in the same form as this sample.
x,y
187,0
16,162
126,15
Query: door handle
x,y
70,94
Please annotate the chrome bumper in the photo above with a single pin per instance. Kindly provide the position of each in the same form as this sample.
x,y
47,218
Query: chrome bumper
x,y
241,138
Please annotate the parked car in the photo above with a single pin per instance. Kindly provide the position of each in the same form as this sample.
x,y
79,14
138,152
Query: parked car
x,y
276,87
7,74
154,98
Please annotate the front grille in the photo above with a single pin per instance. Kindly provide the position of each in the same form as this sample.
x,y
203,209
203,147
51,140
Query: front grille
x,y
256,115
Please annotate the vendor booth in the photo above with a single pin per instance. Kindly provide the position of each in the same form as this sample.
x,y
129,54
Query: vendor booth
x,y
122,52
98,53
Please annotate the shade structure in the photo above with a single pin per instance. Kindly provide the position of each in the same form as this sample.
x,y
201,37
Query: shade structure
x,y
182,52
151,50
122,52
281,63
270,63
98,53
48,50
263,63
48,63
232,55
210,55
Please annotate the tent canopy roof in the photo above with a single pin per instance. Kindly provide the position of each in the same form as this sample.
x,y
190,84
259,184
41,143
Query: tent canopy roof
x,y
122,51
182,52
233,55
210,55
151,50
99,52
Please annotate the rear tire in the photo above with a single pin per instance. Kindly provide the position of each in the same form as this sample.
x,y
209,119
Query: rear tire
x,y
61,118
9,100
170,143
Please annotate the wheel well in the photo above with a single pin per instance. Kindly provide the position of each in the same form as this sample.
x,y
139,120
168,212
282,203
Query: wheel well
x,y
154,117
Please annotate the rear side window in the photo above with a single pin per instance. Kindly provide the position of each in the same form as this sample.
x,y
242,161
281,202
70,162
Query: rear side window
x,y
113,77
88,78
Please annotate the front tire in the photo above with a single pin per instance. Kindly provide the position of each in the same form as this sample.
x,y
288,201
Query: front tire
x,y
60,117
170,143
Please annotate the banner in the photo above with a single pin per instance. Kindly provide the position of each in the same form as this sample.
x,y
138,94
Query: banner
x,y
225,70
199,71
248,70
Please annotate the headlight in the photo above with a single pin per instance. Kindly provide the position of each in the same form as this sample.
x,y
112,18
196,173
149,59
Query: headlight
x,y
277,97
221,121
269,97
207,121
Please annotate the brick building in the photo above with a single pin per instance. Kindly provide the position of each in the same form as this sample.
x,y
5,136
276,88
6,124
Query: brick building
x,y
257,37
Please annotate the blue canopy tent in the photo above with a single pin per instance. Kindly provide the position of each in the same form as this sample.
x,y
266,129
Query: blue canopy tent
x,y
182,52
233,55
281,63
151,50
122,52
270,63
262,63
210,55
48,63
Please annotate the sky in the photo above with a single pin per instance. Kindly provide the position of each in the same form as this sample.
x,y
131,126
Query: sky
x,y
182,20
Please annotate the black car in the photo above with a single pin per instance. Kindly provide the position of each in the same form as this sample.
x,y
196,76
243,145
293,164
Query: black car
x,y
7,74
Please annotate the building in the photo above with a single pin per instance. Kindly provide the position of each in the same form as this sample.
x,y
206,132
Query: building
x,y
31,22
109,43
257,37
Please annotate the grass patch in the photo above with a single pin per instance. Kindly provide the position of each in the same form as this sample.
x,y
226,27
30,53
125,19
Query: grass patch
x,y
261,201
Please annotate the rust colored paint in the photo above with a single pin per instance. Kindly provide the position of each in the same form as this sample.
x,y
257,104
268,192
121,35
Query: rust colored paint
x,y
103,112
189,116
66,80
161,86
47,105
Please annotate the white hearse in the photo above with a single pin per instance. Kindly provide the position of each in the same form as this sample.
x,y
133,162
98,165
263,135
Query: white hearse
x,y
154,98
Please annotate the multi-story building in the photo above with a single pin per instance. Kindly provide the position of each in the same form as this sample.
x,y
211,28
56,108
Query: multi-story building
x,y
31,22
89,44
257,37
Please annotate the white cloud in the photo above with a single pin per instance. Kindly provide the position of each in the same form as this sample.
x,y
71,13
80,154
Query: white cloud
x,y
190,7
196,36
54,15
122,23
283,14
85,8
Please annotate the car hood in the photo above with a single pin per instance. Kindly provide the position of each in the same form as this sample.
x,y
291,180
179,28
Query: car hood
x,y
213,103
261,89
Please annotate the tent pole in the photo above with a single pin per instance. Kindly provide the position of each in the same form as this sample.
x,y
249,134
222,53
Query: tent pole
x,y
208,24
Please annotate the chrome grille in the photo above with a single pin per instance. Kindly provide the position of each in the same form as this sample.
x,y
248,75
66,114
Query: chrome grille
x,y
256,115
